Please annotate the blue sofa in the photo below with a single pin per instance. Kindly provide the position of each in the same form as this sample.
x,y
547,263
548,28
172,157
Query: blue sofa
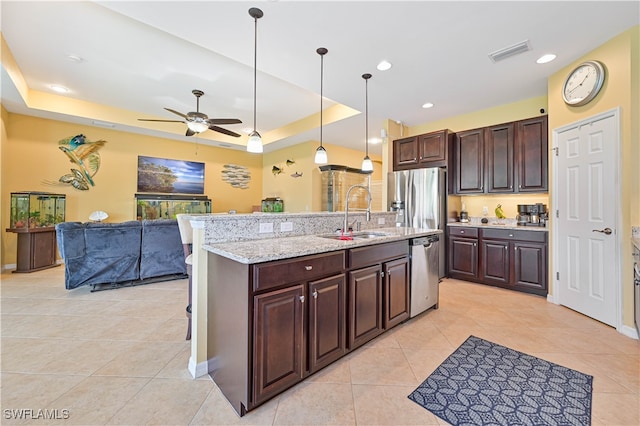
x,y
127,253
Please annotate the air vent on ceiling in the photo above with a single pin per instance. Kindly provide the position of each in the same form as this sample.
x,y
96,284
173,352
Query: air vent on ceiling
x,y
509,51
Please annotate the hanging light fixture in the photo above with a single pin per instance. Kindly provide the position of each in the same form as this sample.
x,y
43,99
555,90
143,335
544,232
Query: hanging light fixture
x,y
254,144
367,165
321,153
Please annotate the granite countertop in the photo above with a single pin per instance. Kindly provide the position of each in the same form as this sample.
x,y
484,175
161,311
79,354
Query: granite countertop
x,y
499,226
256,251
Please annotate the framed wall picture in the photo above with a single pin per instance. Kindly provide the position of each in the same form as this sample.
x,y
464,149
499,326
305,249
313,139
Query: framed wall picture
x,y
161,175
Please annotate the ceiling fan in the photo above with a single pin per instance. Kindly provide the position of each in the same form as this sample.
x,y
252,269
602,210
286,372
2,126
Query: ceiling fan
x,y
198,122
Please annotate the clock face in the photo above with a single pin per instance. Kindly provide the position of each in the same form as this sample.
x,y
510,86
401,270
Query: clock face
x,y
583,84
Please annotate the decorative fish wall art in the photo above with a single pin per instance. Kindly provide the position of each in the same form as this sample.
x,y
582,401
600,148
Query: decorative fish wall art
x,y
85,157
276,170
236,176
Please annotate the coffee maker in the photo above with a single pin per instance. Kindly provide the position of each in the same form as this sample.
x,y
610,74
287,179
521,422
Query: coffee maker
x,y
532,214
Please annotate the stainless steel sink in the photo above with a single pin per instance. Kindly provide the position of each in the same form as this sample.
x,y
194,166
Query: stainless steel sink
x,y
355,236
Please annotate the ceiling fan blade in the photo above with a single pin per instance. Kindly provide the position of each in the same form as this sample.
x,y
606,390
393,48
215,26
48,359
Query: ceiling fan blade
x,y
225,131
163,121
189,132
224,121
177,113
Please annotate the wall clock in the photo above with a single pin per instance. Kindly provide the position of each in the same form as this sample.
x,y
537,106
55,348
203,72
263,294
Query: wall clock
x,y
583,83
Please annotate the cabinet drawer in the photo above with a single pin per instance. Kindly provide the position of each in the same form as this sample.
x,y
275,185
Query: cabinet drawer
x,y
463,231
370,255
273,274
515,234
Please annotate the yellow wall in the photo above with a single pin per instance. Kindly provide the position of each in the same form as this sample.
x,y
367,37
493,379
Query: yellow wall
x,y
620,57
304,193
30,157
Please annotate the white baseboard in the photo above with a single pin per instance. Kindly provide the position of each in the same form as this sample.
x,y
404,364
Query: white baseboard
x,y
199,369
629,332
9,267
551,299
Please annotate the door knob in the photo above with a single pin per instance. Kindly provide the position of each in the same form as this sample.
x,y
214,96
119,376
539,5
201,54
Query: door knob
x,y
606,231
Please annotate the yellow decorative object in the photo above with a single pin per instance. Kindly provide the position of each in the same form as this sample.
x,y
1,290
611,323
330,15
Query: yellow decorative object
x,y
499,212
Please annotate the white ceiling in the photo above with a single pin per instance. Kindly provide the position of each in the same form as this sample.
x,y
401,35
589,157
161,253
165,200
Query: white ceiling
x,y
142,56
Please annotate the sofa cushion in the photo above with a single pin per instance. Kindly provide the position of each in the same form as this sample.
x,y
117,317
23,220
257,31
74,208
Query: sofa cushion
x,y
161,249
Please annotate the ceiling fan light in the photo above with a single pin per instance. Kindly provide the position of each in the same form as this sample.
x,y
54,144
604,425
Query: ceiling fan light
x,y
197,126
254,144
321,156
367,164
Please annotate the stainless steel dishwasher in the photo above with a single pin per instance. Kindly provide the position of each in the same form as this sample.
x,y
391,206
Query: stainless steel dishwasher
x,y
425,265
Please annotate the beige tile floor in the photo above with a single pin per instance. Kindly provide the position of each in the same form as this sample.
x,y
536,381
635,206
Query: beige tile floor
x,y
119,357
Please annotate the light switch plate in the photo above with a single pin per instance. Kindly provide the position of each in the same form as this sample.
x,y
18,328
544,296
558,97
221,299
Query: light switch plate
x,y
381,221
286,227
266,227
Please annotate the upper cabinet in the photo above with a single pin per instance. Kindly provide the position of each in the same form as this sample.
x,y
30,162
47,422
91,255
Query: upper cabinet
x,y
505,158
422,151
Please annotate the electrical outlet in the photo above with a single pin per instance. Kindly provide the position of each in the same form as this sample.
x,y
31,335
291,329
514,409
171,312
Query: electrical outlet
x,y
266,227
381,221
286,227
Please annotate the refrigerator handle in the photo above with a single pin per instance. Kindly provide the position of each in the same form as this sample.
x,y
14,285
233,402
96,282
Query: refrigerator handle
x,y
408,190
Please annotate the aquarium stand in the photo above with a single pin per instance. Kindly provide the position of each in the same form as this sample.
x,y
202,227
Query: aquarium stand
x,y
36,248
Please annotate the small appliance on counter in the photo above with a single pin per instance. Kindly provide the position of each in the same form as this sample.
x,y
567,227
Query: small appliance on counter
x,y
464,216
273,205
532,214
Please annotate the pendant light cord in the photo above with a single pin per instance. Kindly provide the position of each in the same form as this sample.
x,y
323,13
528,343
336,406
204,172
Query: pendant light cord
x,y
366,120
255,69
321,88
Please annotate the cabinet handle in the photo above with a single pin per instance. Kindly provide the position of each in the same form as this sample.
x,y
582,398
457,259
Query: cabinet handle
x,y
315,294
474,244
301,299
308,267
462,232
510,186
511,235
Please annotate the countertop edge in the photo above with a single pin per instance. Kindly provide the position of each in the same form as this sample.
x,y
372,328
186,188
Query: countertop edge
x,y
498,226
265,250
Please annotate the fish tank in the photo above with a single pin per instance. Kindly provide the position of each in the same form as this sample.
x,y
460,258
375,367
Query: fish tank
x,y
36,210
164,206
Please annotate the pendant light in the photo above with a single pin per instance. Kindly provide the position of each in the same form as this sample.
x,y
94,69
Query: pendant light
x,y
321,153
367,165
254,144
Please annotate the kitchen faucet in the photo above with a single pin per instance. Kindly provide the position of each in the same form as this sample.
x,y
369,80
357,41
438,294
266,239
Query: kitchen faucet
x,y
345,226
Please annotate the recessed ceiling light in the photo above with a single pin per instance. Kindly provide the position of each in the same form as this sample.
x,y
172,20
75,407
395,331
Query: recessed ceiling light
x,y
75,58
58,88
384,65
546,58
427,105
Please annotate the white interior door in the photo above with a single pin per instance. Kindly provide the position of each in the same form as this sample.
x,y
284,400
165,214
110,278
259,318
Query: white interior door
x,y
587,198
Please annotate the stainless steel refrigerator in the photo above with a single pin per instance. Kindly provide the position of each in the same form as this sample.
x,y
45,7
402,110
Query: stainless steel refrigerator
x,y
419,198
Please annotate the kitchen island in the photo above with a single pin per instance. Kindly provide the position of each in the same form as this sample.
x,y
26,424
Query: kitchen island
x,y
281,309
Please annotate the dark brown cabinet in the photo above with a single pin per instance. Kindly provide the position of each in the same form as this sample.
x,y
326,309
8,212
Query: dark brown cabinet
x,y
532,154
422,151
469,162
36,248
504,158
397,303
510,258
327,321
273,324
499,156
278,341
365,305
463,253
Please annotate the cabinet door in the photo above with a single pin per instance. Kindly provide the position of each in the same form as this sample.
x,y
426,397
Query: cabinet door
x,y
494,268
327,321
405,153
531,149
469,162
499,145
278,341
397,304
530,267
365,305
463,258
432,149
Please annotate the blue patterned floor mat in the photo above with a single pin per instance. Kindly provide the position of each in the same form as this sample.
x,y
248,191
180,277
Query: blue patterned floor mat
x,y
483,383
